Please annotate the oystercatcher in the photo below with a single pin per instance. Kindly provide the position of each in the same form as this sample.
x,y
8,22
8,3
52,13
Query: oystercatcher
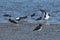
x,y
20,18
46,14
12,21
38,28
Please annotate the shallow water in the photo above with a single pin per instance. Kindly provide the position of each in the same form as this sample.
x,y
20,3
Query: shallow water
x,y
25,32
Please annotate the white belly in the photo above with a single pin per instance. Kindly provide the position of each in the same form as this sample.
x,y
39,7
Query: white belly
x,y
47,17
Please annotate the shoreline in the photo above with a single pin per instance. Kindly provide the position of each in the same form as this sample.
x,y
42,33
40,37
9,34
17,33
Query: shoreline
x,y
25,31
26,24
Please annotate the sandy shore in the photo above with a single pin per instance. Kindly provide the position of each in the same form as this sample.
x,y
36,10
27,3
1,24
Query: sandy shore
x,y
22,31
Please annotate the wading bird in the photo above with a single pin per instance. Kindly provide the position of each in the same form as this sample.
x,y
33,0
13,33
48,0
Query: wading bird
x,y
46,14
38,28
12,21
20,18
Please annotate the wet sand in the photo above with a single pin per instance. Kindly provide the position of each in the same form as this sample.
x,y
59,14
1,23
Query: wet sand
x,y
22,31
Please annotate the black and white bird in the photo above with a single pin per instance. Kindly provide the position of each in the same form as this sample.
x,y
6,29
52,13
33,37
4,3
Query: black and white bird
x,y
38,28
20,18
12,21
46,14
7,15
